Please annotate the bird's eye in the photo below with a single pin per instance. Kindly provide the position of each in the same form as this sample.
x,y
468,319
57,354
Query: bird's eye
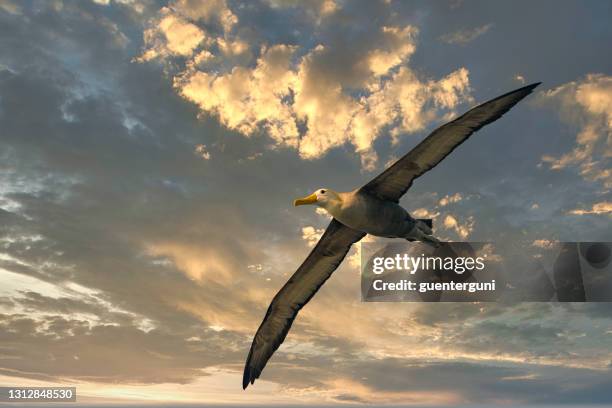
x,y
322,191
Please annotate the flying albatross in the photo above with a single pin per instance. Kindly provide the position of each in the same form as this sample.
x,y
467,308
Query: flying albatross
x,y
372,209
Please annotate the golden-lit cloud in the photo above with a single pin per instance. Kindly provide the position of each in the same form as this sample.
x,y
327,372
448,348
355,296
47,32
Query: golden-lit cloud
x,y
298,96
311,235
202,151
198,263
587,104
315,10
399,45
463,230
465,36
363,393
138,270
604,207
322,212
245,98
10,7
424,213
449,199
543,243
206,11
172,35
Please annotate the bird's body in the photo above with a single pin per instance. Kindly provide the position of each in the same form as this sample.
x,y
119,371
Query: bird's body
x,y
368,213
372,209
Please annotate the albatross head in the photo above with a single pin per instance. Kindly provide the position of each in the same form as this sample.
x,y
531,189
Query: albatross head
x,y
323,197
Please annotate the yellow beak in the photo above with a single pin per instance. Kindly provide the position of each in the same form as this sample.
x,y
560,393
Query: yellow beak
x,y
311,199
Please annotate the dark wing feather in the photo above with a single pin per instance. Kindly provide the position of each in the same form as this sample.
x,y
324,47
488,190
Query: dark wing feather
x,y
310,276
392,183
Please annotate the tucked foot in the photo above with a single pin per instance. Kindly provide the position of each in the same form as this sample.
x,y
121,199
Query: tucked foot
x,y
430,239
422,232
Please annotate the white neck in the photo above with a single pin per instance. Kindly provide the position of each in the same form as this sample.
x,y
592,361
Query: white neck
x,y
333,206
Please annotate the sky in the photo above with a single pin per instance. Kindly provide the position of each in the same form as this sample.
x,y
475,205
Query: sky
x,y
150,153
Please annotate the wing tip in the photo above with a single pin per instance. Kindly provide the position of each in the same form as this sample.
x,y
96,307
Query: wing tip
x,y
247,378
522,91
250,373
518,94
530,87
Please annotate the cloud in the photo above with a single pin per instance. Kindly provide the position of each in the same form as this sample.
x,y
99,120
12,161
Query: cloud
x,y
315,9
322,212
312,98
587,105
245,98
543,243
463,230
10,7
202,152
424,213
312,235
449,199
176,259
351,390
63,347
604,207
462,37
171,36
207,11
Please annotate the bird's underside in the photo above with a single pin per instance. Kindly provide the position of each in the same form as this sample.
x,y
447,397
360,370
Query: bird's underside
x,y
364,211
335,243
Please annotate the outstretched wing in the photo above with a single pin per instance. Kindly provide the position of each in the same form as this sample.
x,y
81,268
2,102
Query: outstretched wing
x,y
310,276
392,183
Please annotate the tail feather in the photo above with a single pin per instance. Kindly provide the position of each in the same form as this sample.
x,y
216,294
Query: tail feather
x,y
431,240
427,221
423,232
424,225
